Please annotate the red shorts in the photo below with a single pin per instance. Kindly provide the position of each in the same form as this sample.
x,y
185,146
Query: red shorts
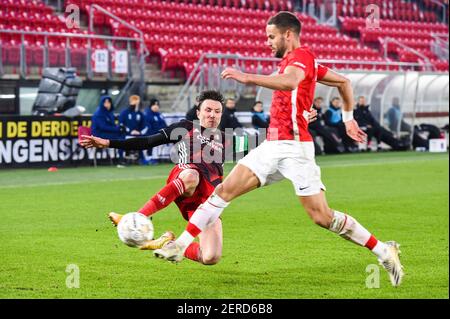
x,y
188,205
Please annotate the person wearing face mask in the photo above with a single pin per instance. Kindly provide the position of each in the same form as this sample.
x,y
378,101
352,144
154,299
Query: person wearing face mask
x,y
153,118
104,125
103,120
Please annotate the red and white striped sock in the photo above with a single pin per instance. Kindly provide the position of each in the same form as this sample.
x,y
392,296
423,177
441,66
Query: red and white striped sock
x,y
347,227
206,214
163,198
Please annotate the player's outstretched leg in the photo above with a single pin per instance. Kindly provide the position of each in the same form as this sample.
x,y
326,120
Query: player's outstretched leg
x,y
240,181
208,250
184,185
349,228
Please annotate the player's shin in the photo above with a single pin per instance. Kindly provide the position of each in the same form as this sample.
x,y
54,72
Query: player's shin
x,y
205,215
349,228
164,197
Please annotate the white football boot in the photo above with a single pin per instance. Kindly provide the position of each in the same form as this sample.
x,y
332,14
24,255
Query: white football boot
x,y
171,252
392,263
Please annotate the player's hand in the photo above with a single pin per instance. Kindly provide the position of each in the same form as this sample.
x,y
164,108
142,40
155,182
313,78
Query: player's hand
x,y
312,116
88,141
230,73
354,131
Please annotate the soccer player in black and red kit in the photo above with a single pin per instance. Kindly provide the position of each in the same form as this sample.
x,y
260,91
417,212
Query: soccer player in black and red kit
x,y
201,150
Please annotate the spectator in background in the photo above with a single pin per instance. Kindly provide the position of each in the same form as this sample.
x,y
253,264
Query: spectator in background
x,y
104,125
366,121
154,121
132,118
153,118
373,129
421,133
103,121
259,118
229,120
133,121
331,140
333,118
394,117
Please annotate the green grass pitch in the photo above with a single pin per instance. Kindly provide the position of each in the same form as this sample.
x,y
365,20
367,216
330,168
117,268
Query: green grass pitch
x,y
271,248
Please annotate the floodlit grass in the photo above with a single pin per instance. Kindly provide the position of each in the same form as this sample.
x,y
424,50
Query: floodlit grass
x,y
271,248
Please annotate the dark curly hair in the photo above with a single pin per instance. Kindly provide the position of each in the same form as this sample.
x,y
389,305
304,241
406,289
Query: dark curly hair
x,y
284,20
209,95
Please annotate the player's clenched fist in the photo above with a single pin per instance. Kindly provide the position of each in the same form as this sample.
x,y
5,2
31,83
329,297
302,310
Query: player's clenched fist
x,y
230,73
89,141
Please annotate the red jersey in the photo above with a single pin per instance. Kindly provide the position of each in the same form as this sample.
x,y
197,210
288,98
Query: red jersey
x,y
290,109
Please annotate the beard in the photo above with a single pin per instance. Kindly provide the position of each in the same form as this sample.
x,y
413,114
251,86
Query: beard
x,y
279,53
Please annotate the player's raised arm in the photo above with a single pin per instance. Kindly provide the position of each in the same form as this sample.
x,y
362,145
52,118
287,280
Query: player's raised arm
x,y
137,143
344,86
287,81
89,141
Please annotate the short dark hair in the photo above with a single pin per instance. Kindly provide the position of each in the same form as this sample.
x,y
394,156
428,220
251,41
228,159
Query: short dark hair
x,y
335,98
210,95
318,98
284,20
154,101
257,102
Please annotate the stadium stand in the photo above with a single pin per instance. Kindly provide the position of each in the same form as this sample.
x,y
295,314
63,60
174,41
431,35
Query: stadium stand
x,y
179,32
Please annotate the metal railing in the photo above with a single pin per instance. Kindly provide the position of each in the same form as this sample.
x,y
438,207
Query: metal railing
x,y
440,45
68,36
444,10
427,65
207,70
143,50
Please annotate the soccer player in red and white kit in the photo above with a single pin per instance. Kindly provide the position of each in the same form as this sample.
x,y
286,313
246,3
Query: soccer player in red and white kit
x,y
288,151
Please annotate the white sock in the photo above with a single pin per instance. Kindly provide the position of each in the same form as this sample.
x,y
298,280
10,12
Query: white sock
x,y
380,250
347,227
185,239
206,214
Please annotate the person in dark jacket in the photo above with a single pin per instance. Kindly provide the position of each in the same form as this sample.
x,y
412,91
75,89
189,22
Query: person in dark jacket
x,y
331,140
259,118
333,118
153,118
373,129
103,123
229,120
366,121
103,120
132,118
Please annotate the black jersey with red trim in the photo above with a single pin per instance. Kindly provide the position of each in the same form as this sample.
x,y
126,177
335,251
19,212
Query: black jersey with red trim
x,y
199,146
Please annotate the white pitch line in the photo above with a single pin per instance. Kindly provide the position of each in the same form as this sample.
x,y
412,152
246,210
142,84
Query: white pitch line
x,y
362,163
84,181
323,165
